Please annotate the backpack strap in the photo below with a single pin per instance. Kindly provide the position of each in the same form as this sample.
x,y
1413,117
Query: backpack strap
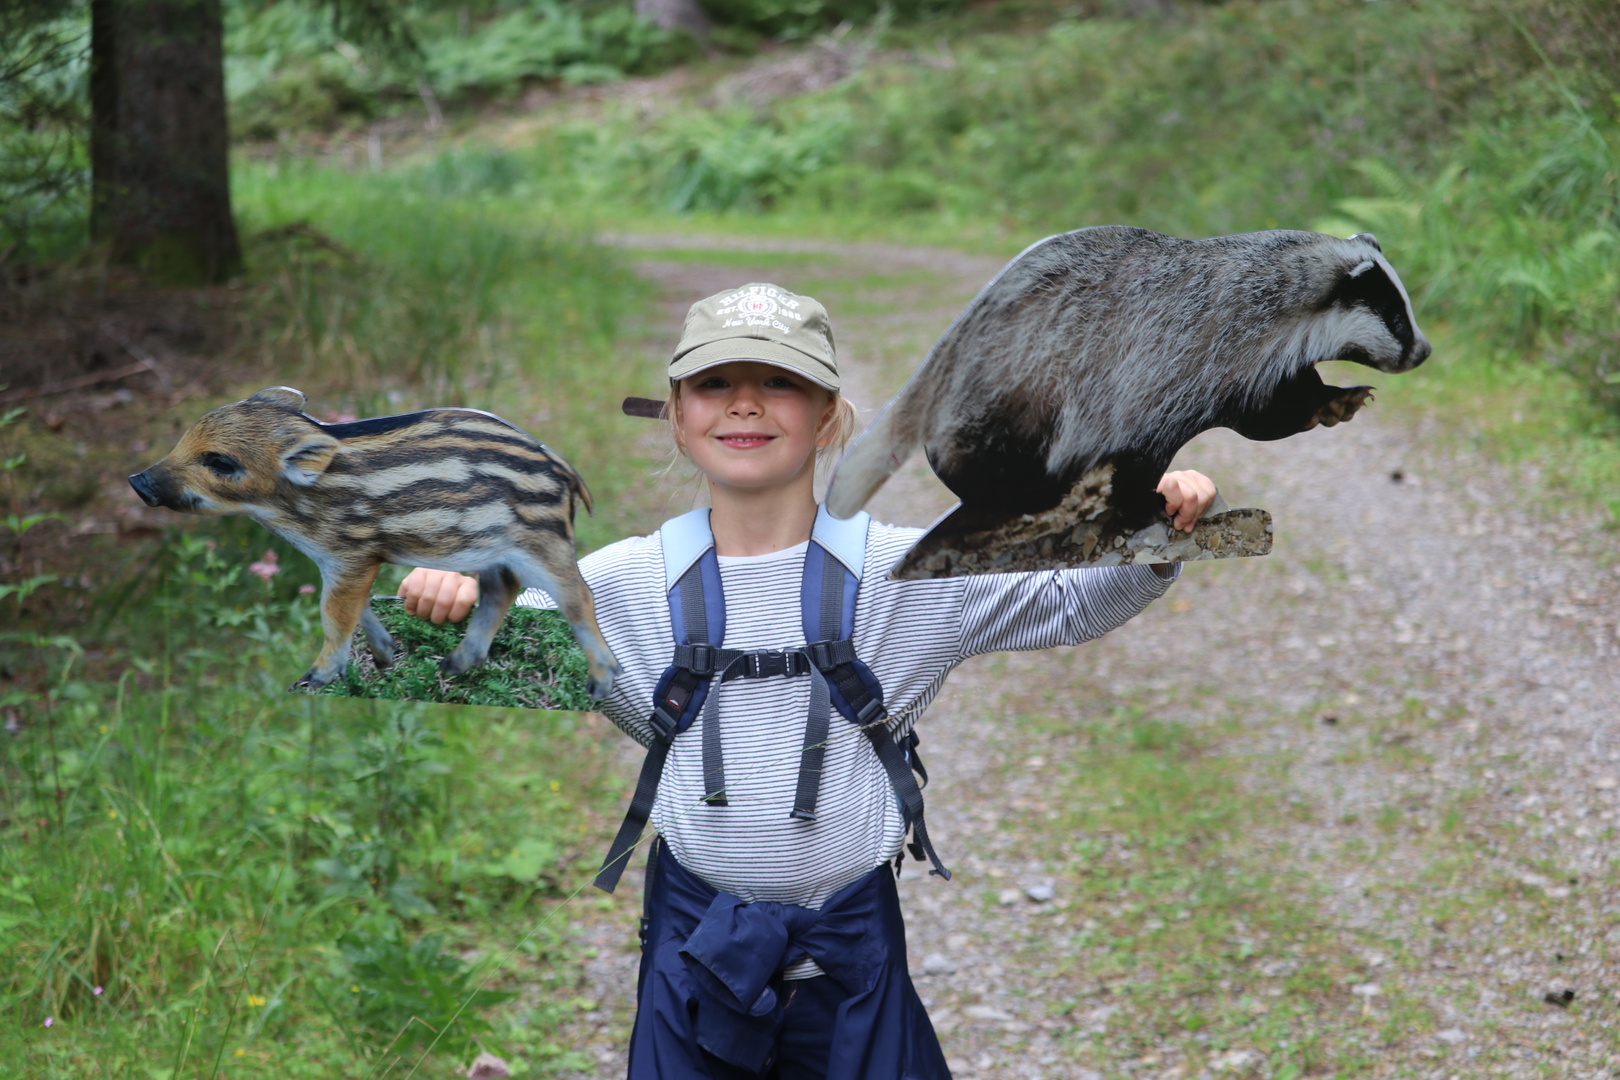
x,y
691,574
827,602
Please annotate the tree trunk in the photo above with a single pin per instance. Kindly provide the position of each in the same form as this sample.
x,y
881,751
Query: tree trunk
x,y
160,182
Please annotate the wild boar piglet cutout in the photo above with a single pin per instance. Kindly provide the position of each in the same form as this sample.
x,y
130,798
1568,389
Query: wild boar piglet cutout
x,y
449,489
1077,374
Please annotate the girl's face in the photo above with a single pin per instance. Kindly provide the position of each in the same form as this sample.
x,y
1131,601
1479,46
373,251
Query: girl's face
x,y
752,426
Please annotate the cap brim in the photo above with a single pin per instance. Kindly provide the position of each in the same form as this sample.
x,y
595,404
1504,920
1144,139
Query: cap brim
x,y
762,350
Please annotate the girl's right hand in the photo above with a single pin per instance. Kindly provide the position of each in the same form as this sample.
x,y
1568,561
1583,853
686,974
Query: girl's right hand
x,y
438,595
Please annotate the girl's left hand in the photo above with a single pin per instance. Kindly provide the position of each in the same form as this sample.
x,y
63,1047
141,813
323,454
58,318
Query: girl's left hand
x,y
1186,496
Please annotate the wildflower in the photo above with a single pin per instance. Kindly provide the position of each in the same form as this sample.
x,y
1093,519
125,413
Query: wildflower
x,y
306,590
240,1052
487,1066
255,1001
266,568
104,729
113,814
556,785
354,989
49,1021
96,991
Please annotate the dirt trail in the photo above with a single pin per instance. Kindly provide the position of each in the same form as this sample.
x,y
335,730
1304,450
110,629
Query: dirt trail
x,y
1424,670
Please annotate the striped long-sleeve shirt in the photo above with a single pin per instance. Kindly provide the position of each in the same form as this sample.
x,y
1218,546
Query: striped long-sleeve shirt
x,y
910,633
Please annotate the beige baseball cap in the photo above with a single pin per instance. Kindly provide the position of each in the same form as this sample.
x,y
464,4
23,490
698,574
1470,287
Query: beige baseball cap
x,y
760,322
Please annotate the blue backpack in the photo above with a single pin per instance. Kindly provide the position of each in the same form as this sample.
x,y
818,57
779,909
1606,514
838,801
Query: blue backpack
x,y
697,613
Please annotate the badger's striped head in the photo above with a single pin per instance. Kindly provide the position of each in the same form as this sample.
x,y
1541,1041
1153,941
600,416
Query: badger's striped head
x,y
1360,311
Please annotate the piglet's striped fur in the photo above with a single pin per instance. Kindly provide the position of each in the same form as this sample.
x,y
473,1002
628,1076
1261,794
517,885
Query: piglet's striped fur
x,y
449,489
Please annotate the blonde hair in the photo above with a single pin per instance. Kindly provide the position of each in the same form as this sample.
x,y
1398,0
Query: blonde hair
x,y
841,426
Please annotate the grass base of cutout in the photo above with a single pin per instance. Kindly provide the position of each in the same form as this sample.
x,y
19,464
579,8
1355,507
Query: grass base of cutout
x,y
534,663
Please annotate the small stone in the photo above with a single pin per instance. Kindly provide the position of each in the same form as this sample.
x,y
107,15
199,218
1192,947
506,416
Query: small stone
x,y
985,1012
937,964
1450,1035
957,942
1040,891
1008,896
1367,990
1153,536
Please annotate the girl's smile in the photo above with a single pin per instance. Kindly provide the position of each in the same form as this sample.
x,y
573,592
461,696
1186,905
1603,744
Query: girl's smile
x,y
745,440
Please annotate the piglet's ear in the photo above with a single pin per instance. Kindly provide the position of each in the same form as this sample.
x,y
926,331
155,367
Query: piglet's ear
x,y
282,397
307,459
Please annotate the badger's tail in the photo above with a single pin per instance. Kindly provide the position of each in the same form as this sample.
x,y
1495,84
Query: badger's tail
x,y
893,437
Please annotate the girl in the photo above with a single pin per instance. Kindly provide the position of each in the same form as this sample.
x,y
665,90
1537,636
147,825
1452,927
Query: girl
x,y
773,942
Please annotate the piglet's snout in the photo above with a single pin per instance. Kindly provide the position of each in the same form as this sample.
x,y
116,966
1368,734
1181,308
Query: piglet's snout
x,y
144,487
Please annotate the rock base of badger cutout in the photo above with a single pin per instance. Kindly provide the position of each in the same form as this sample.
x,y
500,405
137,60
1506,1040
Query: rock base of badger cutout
x,y
1061,538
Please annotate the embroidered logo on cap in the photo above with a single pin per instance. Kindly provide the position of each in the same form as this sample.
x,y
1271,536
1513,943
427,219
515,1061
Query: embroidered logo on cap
x,y
759,305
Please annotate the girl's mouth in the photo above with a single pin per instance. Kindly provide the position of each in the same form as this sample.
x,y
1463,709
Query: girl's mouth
x,y
745,440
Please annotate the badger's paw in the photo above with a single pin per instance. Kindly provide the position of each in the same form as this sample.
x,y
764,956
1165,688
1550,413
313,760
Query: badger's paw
x,y
1342,407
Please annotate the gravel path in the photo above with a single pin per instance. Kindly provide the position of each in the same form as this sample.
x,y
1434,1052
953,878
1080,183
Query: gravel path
x,y
1424,673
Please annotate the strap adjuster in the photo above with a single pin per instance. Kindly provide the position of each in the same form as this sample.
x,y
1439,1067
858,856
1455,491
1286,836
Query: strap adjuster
x,y
664,722
866,713
701,658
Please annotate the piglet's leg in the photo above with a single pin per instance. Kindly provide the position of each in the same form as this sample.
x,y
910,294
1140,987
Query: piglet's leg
x,y
497,588
378,639
345,593
559,578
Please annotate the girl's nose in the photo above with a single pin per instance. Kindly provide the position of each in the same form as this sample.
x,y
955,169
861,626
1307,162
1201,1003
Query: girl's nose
x,y
744,402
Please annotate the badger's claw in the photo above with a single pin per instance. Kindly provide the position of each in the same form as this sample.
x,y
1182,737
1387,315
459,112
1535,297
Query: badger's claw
x,y
1342,407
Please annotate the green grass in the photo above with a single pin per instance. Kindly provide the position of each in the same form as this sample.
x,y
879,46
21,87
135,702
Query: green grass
x,y
534,663
200,866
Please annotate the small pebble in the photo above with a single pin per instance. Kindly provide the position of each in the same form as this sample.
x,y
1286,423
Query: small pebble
x,y
937,964
1040,891
1008,896
985,1012
1450,1035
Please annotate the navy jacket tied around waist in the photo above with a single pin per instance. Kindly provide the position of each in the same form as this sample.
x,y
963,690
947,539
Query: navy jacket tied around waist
x,y
709,979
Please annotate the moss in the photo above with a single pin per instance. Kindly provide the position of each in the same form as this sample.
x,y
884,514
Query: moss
x,y
534,663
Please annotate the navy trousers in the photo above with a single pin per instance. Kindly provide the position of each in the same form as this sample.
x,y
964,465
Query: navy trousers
x,y
712,1004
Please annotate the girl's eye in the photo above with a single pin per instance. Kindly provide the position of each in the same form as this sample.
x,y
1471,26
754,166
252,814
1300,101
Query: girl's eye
x,y
713,382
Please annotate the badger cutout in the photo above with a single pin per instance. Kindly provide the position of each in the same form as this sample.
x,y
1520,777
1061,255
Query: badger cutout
x,y
449,489
1056,400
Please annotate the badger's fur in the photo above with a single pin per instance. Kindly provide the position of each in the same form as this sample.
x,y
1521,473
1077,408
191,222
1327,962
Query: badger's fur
x,y
1114,346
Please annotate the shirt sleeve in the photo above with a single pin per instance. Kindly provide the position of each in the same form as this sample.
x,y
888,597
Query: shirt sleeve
x,y
1053,607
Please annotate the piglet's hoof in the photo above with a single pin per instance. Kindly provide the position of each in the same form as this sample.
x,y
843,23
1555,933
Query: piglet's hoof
x,y
312,681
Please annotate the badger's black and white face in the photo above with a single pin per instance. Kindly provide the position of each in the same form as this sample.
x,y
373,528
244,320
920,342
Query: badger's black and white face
x,y
1363,313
